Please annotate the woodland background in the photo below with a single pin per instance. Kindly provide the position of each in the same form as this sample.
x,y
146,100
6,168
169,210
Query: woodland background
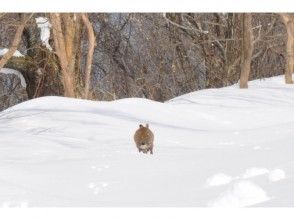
x,y
151,55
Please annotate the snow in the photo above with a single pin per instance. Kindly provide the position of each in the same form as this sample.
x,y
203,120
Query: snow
x,y
219,179
217,147
277,175
44,25
16,53
243,193
255,171
17,73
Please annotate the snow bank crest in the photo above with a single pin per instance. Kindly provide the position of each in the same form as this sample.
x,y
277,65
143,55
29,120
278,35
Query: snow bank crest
x,y
254,171
276,175
241,194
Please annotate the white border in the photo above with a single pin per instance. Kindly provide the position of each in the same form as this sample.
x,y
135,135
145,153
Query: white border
x,y
147,213
147,6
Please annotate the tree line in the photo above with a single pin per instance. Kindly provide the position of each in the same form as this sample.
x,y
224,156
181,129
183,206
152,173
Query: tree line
x,y
107,56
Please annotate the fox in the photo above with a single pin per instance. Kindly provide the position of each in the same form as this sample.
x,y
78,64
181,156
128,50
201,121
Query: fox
x,y
144,139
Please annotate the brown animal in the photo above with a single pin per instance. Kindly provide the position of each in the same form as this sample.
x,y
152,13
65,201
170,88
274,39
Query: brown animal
x,y
144,139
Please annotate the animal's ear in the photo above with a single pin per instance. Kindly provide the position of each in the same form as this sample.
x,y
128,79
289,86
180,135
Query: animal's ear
x,y
141,126
147,125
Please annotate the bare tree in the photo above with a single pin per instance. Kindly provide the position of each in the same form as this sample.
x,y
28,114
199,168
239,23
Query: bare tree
x,y
247,49
64,33
91,39
15,42
288,21
156,56
67,35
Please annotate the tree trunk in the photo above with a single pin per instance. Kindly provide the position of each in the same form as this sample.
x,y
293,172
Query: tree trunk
x,y
289,23
91,38
247,49
64,49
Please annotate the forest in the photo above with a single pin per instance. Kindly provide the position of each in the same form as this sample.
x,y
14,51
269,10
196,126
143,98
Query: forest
x,y
158,56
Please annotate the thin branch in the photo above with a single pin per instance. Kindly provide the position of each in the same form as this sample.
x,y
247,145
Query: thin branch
x,y
259,34
15,42
183,27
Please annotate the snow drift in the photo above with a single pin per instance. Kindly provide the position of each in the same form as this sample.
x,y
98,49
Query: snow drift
x,y
217,147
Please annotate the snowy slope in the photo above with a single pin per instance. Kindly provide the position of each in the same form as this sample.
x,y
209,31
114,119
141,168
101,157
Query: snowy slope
x,y
215,147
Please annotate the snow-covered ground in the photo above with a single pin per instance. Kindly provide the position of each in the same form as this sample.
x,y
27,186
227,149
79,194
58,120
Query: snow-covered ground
x,y
217,147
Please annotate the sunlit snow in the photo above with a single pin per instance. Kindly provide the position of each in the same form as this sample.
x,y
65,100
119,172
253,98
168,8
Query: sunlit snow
x,y
215,147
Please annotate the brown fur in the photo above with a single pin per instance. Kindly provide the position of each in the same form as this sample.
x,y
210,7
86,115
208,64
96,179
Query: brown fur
x,y
144,136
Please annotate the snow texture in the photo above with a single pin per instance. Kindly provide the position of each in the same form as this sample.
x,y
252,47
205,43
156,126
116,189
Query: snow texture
x,y
16,53
217,147
44,25
15,72
219,179
276,175
240,194
252,172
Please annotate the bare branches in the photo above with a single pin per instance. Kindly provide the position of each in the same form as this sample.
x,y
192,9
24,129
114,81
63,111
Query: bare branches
x,y
259,33
67,39
184,27
158,56
15,42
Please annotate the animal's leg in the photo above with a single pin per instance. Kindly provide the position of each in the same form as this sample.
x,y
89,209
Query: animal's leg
x,y
151,148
